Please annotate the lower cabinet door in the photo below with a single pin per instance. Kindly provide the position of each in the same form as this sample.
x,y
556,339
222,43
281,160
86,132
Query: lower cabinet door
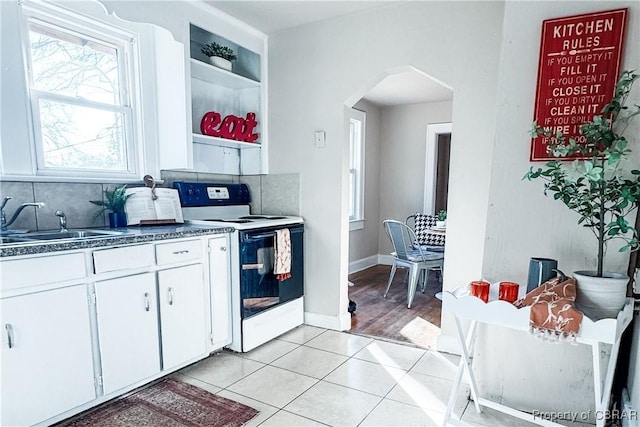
x,y
127,330
183,322
220,284
47,362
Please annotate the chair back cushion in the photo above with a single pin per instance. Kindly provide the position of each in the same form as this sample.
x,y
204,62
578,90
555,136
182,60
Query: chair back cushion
x,y
424,236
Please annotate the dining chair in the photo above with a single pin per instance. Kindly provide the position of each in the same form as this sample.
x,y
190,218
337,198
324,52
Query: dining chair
x,y
425,236
410,256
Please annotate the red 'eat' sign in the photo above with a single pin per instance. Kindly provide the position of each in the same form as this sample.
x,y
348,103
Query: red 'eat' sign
x,y
231,127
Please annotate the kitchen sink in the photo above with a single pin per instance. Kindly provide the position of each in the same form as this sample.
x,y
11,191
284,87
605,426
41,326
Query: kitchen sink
x,y
71,234
6,240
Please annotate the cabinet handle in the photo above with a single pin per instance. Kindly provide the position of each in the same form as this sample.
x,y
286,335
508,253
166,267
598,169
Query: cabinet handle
x,y
147,303
185,251
223,248
170,296
10,340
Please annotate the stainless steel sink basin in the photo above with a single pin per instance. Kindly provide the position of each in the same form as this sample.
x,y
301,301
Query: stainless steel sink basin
x,y
72,234
7,240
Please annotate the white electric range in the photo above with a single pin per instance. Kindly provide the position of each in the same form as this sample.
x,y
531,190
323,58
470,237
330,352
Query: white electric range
x,y
263,307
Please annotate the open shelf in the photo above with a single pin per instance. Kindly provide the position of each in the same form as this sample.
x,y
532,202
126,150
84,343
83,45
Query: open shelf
x,y
218,76
222,142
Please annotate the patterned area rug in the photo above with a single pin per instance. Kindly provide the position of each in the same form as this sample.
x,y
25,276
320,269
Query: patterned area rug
x,y
167,403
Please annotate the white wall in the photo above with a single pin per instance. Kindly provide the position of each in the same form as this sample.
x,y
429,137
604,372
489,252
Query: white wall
x,y
522,223
363,243
404,135
316,69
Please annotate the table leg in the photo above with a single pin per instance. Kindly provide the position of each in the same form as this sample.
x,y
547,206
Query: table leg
x,y
602,390
466,346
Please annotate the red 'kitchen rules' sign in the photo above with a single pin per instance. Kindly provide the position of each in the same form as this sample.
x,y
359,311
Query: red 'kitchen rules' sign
x,y
577,73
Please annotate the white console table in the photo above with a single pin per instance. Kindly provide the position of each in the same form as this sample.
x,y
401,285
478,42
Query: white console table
x,y
605,331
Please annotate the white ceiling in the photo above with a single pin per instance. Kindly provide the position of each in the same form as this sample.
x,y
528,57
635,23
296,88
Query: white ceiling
x,y
409,87
272,16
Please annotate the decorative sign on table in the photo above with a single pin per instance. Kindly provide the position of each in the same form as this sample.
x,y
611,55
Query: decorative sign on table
x,y
578,69
231,127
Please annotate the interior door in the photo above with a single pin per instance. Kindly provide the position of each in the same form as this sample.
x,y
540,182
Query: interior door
x,y
442,171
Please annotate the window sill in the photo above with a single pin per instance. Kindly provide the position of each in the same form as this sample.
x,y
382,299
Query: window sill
x,y
356,224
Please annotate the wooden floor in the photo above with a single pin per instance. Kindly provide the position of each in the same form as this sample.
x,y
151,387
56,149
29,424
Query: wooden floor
x,y
389,317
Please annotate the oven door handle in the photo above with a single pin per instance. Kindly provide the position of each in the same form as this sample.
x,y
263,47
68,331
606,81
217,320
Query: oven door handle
x,y
260,236
292,230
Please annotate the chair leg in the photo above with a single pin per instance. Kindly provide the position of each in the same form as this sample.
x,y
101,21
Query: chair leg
x,y
424,275
393,272
414,272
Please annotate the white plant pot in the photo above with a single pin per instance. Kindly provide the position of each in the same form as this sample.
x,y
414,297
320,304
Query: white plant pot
x,y
600,297
441,224
220,62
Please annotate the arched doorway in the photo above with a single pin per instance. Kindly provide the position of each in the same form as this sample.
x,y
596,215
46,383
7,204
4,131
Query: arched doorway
x,y
395,166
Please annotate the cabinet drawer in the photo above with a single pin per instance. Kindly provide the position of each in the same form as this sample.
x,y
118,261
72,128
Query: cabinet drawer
x,y
168,253
41,270
123,258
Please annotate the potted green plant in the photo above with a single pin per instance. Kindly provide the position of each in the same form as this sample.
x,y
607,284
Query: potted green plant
x,y
114,201
219,55
602,188
441,219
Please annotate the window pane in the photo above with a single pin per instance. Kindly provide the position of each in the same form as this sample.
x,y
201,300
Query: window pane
x,y
82,137
71,65
352,200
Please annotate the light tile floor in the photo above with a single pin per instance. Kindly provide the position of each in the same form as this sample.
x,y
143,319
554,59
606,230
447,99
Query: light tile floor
x,y
317,377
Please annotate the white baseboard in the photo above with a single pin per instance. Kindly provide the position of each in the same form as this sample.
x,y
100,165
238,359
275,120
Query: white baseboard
x,y
448,344
336,323
385,259
363,263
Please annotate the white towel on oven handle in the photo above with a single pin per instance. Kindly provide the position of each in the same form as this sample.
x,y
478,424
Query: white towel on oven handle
x,y
282,249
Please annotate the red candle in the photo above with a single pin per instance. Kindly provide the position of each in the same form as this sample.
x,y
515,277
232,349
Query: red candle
x,y
508,291
480,289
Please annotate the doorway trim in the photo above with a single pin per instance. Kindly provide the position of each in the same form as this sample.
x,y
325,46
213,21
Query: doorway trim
x,y
431,157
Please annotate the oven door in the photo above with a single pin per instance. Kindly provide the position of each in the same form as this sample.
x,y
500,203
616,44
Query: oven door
x,y
260,290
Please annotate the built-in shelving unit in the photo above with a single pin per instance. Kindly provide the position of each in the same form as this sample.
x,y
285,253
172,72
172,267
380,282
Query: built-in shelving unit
x,y
222,142
236,92
214,75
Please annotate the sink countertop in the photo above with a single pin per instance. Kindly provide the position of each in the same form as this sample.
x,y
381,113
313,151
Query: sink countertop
x,y
129,236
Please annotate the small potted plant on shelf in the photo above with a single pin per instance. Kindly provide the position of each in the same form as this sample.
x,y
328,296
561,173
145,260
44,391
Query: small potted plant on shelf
x,y
601,187
441,219
219,55
114,201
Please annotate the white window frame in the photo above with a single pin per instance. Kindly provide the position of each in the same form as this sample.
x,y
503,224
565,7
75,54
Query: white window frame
x,y
126,44
357,120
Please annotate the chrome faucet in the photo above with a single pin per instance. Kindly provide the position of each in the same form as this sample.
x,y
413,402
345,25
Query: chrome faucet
x,y
63,221
3,217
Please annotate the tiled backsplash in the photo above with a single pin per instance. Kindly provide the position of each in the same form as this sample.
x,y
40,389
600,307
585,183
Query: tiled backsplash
x,y
273,194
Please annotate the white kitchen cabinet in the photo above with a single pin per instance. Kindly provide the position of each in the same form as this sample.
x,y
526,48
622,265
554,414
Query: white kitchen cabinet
x,y
128,332
220,285
47,359
111,320
183,320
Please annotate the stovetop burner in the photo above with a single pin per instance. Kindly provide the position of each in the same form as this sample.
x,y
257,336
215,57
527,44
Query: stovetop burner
x,y
262,217
236,221
225,204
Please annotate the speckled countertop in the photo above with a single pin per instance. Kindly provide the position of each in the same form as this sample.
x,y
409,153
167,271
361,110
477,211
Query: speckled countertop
x,y
129,236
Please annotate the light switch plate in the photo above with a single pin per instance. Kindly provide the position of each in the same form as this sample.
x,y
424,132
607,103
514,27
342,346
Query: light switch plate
x,y
320,139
